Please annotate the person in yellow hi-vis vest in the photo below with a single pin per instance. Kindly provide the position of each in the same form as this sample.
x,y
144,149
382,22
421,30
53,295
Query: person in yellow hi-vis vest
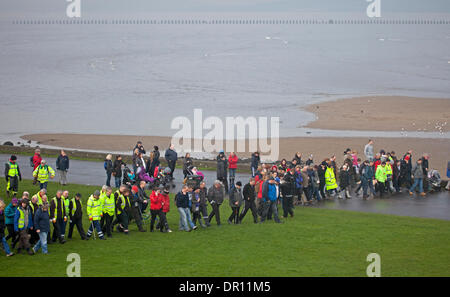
x,y
381,177
330,180
12,176
42,173
76,216
95,213
108,202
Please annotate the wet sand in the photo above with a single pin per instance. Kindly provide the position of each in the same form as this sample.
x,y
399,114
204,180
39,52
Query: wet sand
x,y
320,147
383,113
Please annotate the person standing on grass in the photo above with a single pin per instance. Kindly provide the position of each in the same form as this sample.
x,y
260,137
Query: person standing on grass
x,y
156,210
135,210
108,165
42,226
108,209
270,200
2,230
62,166
22,224
418,175
12,177
236,199
143,197
232,166
216,195
249,200
59,217
182,202
222,167
10,212
95,213
165,202
368,150
76,216
171,158
122,207
42,173
117,170
34,237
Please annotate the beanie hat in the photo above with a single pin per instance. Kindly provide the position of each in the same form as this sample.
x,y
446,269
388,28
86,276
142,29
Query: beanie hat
x,y
135,188
14,201
13,158
239,184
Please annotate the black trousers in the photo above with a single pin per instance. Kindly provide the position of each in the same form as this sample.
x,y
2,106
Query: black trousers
x,y
234,217
162,219
106,224
288,206
79,223
171,165
11,233
215,212
252,206
136,215
58,232
162,225
122,220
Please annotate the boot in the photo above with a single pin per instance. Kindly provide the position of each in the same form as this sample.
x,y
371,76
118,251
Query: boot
x,y
347,193
423,194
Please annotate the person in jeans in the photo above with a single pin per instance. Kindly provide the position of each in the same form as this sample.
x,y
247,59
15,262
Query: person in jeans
x,y
182,202
42,226
2,229
417,172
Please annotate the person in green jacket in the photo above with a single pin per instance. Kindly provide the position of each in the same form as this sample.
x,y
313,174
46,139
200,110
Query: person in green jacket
x,y
381,177
95,213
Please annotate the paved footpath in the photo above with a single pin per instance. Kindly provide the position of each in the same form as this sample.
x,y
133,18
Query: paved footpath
x,y
436,205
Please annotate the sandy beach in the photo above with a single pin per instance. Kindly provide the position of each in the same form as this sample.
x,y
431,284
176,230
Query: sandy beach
x,y
383,113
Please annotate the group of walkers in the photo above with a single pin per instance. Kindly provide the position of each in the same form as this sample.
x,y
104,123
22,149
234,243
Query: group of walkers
x,y
282,184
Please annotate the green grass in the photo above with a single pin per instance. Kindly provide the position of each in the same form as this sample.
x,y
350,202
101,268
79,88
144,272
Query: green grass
x,y
315,242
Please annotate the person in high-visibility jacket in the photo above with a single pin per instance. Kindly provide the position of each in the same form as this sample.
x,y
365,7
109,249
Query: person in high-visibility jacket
x,y
42,174
76,216
22,223
330,180
381,177
65,197
12,176
95,213
59,217
108,202
40,196
389,172
122,206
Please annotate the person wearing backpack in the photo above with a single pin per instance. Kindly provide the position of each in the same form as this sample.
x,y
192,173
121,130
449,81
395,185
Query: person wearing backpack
x,y
42,173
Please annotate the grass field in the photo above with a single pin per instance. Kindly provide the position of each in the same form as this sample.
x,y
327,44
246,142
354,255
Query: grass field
x,y
315,242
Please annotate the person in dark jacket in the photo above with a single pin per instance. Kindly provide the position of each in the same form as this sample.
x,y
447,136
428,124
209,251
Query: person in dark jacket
x,y
62,166
222,169
203,202
256,160
109,169
10,212
23,222
135,210
117,170
2,229
42,226
76,216
216,195
367,177
235,200
188,163
344,180
140,147
171,158
154,158
183,204
288,189
405,173
249,201
270,199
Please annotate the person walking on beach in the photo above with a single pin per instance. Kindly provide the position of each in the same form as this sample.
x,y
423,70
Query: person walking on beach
x,y
171,158
42,173
62,166
12,176
368,150
108,165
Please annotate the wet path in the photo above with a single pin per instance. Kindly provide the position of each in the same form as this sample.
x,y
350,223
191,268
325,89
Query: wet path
x,y
436,205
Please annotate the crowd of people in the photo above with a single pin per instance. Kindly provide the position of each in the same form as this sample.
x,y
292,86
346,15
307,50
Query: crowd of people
x,y
286,184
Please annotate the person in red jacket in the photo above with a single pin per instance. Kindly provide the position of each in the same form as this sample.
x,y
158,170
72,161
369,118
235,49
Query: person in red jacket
x,y
232,166
156,209
165,201
37,158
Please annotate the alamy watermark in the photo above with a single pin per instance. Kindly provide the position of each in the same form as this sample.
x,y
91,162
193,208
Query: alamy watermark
x,y
73,9
374,268
74,268
374,9
229,135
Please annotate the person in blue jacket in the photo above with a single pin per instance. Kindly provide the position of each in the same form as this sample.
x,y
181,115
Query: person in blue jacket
x,y
270,199
42,227
23,221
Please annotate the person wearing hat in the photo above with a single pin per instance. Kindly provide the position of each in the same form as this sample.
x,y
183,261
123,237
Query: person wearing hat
x,y
42,173
135,209
42,227
235,201
76,216
22,223
95,213
12,176
59,217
